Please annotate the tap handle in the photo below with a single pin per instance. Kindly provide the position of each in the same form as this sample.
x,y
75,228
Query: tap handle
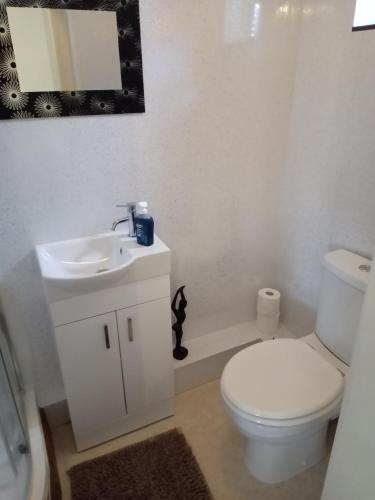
x,y
131,205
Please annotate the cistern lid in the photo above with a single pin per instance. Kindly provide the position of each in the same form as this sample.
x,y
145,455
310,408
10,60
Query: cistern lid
x,y
349,267
280,379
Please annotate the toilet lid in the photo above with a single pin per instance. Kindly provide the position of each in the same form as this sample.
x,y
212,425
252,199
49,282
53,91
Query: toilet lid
x,y
280,379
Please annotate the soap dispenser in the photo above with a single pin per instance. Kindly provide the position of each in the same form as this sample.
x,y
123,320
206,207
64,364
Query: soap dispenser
x,y
144,225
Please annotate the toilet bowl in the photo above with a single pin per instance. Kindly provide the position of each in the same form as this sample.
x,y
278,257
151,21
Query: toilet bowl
x,y
281,394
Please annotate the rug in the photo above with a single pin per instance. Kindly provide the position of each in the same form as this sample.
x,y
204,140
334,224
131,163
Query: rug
x,y
160,468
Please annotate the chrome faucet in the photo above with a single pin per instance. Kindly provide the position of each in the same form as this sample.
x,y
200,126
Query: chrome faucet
x,y
130,218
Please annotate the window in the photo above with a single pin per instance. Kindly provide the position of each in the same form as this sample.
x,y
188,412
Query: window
x,y
364,18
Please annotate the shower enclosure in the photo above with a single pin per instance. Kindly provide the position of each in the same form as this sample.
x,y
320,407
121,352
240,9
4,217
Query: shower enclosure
x,y
15,459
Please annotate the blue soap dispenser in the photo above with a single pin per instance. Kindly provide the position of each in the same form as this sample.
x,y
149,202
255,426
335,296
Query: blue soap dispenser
x,y
144,225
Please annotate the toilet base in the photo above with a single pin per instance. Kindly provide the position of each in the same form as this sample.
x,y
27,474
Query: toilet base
x,y
273,461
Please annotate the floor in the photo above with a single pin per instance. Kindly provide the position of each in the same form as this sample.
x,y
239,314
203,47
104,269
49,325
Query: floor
x,y
218,447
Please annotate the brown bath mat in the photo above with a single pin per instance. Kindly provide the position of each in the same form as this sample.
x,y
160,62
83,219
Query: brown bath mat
x,y
160,468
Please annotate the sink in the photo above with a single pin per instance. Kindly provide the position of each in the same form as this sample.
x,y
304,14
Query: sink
x,y
103,260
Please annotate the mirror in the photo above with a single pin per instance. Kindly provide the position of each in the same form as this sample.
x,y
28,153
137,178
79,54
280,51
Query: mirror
x,y
364,17
59,50
70,58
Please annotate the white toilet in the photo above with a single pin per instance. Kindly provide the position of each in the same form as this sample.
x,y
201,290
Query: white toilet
x,y
281,394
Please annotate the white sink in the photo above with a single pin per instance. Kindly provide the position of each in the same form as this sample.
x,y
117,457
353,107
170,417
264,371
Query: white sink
x,y
99,261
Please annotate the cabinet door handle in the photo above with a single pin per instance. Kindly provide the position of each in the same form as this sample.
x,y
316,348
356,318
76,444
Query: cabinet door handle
x,y
130,330
106,335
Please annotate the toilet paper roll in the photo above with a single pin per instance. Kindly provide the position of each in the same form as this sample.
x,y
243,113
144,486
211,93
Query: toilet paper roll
x,y
268,302
268,325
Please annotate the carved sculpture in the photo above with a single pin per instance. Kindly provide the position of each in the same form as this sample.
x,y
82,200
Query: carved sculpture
x,y
179,352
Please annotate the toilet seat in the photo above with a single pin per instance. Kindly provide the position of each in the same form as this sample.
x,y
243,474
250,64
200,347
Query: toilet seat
x,y
280,381
329,412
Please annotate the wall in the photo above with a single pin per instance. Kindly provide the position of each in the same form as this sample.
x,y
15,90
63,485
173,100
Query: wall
x,y
351,469
208,155
328,186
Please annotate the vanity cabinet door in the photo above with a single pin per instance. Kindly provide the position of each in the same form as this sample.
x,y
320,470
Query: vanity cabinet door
x,y
146,351
91,367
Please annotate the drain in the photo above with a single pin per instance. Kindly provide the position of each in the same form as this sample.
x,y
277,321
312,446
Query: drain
x,y
101,271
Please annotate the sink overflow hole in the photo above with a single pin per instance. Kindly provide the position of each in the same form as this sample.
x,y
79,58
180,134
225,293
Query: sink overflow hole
x,y
101,271
365,268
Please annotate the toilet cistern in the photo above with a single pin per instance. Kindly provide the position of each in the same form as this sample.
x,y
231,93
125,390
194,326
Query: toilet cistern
x,y
130,218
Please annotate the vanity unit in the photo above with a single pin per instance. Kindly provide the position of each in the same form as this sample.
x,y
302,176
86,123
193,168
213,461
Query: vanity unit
x,y
110,303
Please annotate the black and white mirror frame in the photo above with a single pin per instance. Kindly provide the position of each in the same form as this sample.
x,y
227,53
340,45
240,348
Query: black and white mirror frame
x,y
129,99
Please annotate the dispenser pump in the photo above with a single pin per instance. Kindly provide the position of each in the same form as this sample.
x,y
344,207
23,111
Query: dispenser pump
x,y
142,207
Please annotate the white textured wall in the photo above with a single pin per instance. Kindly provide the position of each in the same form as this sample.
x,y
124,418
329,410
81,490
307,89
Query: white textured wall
x,y
208,155
328,187
21,290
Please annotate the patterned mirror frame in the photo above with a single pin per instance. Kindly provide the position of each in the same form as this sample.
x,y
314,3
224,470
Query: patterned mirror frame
x,y
129,99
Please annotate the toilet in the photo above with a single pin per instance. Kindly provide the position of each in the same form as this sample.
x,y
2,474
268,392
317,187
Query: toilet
x,y
281,394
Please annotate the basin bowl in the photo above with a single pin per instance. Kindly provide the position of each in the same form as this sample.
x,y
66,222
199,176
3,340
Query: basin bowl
x,y
100,261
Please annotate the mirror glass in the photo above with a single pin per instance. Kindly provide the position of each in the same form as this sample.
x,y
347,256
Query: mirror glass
x,y
364,15
62,50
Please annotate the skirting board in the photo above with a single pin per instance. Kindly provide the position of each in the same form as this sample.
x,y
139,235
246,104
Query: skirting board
x,y
57,414
209,353
205,370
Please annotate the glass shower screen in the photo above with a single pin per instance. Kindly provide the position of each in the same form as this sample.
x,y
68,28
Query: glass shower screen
x,y
14,456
